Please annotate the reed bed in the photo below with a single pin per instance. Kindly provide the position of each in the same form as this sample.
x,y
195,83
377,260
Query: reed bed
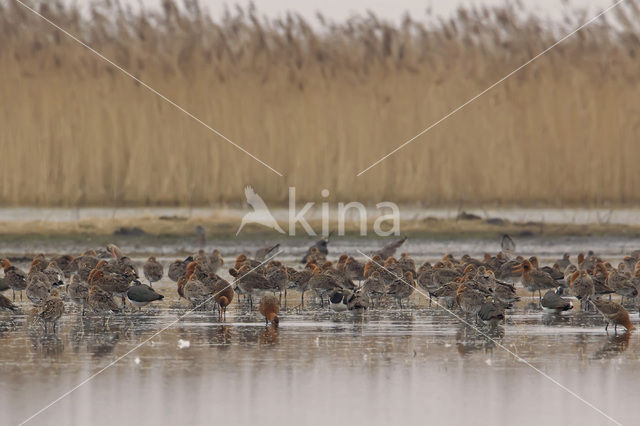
x,y
318,102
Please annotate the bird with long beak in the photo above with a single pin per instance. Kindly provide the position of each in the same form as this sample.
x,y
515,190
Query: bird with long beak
x,y
534,279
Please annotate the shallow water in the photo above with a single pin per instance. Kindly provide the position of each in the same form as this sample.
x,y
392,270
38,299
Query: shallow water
x,y
386,366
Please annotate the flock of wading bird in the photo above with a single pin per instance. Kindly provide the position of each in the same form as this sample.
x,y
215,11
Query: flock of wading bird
x,y
484,289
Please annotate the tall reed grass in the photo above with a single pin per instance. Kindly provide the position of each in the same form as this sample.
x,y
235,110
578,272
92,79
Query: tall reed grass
x,y
319,103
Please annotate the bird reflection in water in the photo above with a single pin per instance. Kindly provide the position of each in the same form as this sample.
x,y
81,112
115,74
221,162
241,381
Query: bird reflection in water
x,y
469,339
613,346
47,345
269,336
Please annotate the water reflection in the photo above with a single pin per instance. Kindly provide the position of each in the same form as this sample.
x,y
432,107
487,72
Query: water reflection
x,y
302,366
614,346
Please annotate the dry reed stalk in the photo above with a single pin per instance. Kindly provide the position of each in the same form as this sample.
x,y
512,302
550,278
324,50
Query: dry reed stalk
x,y
318,103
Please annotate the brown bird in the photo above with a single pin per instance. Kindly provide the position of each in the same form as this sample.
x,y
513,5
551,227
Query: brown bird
x,y
223,295
38,290
6,304
353,269
77,290
101,302
447,293
318,252
51,310
250,282
54,274
402,288
65,263
196,292
14,277
153,270
214,261
582,287
113,283
178,268
613,313
534,279
470,298
299,280
491,312
390,249
265,252
279,280
269,307
322,283
374,287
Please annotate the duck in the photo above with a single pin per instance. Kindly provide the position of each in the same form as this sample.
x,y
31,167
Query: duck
x,y
613,313
14,277
51,309
269,308
140,295
553,301
153,270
